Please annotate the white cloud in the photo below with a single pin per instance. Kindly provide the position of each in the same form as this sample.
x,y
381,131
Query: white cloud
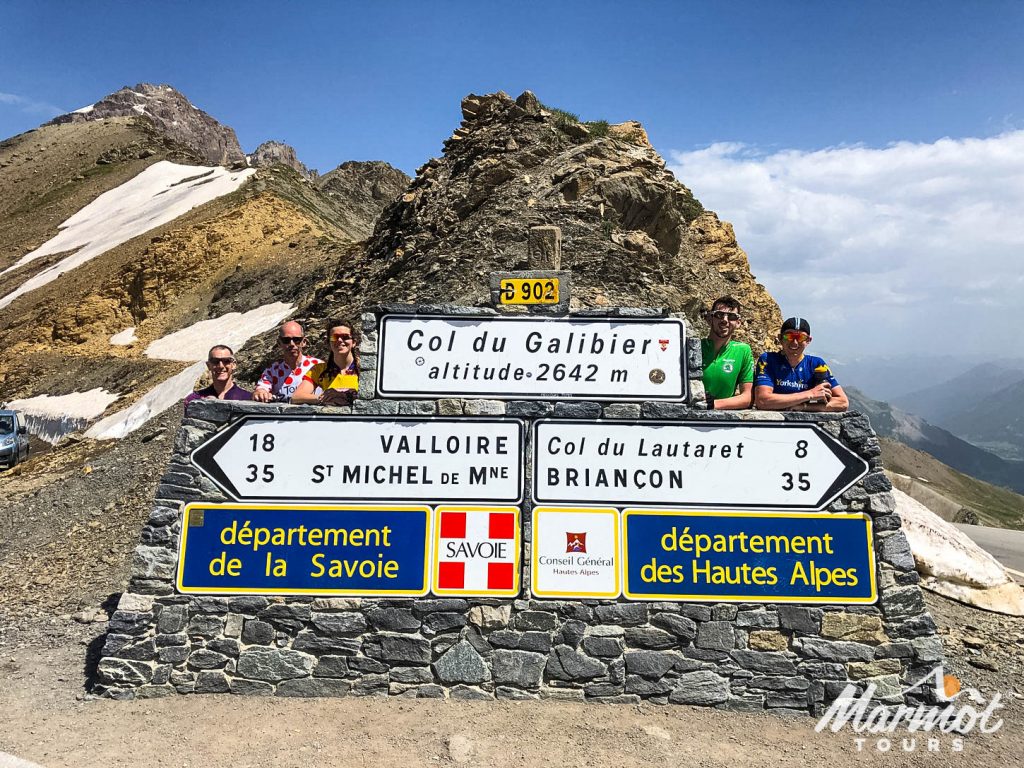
x,y
909,246
30,106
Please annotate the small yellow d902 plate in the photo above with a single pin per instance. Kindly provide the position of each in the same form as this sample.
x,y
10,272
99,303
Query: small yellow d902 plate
x,y
529,291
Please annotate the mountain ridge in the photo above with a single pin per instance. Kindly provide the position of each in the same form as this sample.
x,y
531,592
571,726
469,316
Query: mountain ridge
x,y
918,433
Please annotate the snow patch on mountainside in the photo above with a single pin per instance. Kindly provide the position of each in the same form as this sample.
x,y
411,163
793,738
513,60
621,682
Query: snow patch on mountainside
x,y
50,417
153,403
232,329
159,194
124,338
190,344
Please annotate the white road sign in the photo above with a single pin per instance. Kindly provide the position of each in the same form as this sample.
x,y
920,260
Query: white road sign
x,y
532,358
356,459
706,464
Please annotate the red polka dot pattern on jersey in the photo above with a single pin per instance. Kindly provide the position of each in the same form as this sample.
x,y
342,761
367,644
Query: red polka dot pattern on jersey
x,y
281,380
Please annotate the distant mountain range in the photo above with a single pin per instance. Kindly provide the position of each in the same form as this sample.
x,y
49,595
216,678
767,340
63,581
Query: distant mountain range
x,y
918,433
983,405
974,398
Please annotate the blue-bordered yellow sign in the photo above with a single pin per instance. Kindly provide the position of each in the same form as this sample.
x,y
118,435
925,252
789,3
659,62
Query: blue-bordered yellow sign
x,y
748,556
359,550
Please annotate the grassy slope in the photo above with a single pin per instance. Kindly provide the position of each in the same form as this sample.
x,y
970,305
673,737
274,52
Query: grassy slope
x,y
996,506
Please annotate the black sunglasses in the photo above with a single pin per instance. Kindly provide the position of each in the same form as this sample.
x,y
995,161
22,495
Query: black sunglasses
x,y
215,361
291,339
722,315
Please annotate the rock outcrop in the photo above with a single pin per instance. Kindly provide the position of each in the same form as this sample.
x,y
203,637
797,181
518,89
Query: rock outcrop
x,y
359,191
632,234
171,113
278,153
716,240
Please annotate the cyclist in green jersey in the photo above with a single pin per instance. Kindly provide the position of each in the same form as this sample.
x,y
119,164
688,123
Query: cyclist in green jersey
x,y
728,364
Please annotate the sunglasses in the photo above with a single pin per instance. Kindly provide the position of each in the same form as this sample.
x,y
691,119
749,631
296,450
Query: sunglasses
x,y
341,337
798,336
215,362
286,340
719,314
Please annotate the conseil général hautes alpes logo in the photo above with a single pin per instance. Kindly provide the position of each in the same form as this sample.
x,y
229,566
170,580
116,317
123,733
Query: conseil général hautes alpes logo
x,y
576,543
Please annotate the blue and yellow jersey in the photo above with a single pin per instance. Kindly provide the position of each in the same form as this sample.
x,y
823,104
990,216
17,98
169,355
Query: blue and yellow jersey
x,y
773,370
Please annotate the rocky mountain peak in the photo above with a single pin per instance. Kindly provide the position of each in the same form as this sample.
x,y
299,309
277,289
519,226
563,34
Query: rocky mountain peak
x,y
632,234
278,153
359,190
171,113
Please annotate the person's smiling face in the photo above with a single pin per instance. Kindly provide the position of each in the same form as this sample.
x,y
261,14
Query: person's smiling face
x,y
292,341
222,365
723,321
794,343
341,340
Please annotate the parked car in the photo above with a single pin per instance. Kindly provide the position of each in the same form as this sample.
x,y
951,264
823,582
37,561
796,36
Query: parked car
x,y
13,439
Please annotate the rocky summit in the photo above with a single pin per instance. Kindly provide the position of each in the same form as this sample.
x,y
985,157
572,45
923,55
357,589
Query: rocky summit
x,y
632,234
273,239
172,113
278,153
360,190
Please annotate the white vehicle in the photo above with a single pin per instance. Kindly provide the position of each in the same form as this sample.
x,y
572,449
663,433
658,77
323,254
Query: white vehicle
x,y
13,439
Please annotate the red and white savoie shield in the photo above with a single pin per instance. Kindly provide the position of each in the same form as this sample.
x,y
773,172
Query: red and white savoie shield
x,y
476,551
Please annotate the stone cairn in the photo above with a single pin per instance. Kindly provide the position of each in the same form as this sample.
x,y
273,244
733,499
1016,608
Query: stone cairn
x,y
739,656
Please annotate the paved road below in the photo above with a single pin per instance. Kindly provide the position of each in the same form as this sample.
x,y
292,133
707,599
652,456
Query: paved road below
x,y
1006,546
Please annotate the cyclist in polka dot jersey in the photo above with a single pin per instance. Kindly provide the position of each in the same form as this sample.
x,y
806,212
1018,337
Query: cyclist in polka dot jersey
x,y
280,380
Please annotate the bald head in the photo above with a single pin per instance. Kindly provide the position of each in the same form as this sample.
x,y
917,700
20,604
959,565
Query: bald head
x,y
292,340
291,328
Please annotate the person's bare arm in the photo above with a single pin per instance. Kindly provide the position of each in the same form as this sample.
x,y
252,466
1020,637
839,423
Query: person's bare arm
x,y
306,393
739,401
837,402
769,400
338,397
262,395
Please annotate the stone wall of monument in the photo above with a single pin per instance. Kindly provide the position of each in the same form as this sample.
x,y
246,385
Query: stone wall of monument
x,y
736,655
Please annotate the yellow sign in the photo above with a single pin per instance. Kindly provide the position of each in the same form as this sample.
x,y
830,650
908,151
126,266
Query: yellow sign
x,y
529,290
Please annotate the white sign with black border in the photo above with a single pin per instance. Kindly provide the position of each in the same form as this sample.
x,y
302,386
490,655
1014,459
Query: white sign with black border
x,y
353,458
700,464
523,358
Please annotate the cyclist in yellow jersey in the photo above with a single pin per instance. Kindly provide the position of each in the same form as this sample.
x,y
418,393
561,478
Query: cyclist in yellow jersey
x,y
338,376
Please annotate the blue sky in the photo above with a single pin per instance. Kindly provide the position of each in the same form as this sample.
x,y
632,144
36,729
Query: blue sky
x,y
383,80
728,92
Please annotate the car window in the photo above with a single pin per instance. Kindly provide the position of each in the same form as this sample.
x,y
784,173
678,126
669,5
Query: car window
x,y
6,425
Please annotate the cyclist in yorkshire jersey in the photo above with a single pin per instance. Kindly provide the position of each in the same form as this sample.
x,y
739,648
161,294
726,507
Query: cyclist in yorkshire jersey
x,y
338,377
728,364
792,381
